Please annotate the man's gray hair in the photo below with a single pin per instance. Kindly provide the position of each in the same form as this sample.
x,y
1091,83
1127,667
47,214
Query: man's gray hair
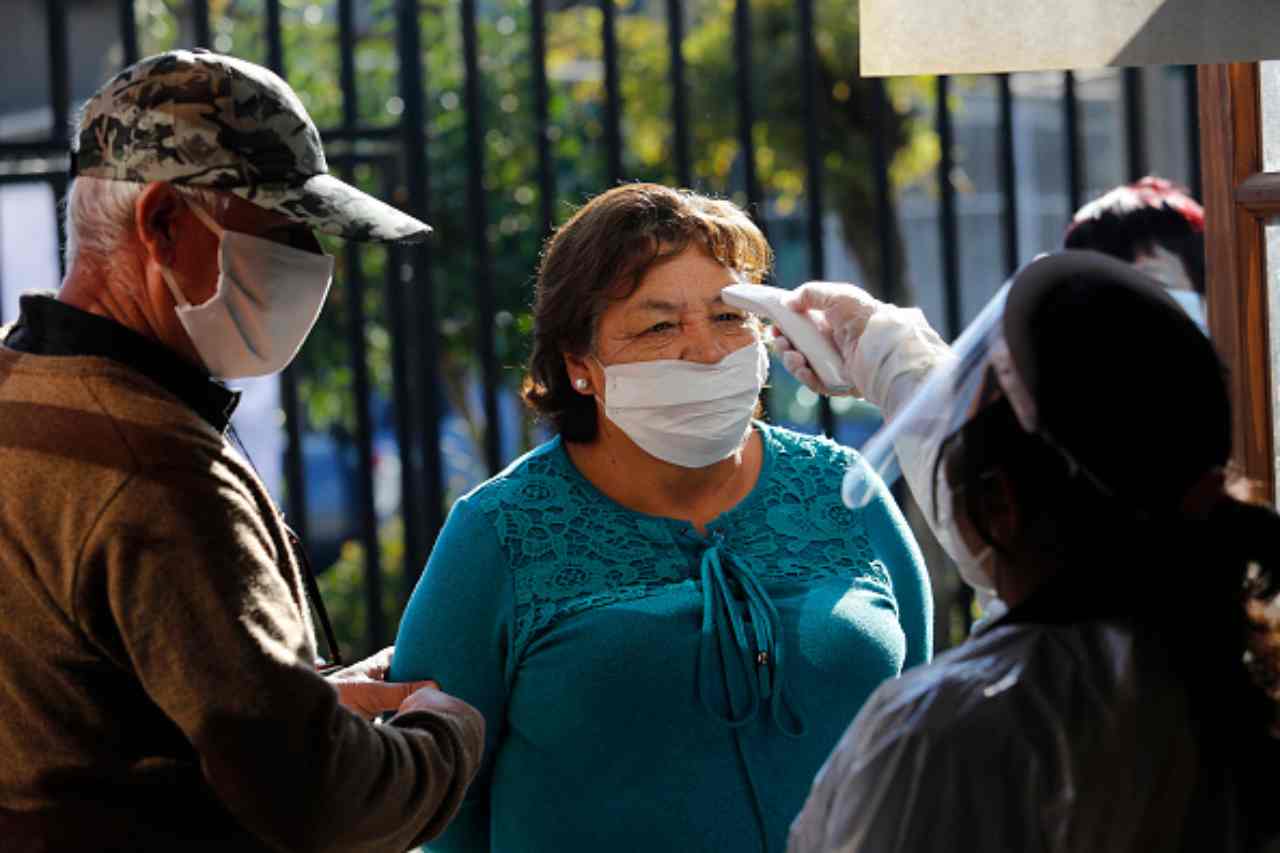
x,y
98,213
99,216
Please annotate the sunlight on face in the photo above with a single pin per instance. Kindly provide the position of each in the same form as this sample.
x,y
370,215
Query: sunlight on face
x,y
676,313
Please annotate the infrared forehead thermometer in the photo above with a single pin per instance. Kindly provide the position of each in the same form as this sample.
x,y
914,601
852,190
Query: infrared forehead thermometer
x,y
799,329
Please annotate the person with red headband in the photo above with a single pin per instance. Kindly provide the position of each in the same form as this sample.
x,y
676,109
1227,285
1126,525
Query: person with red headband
x,y
1155,225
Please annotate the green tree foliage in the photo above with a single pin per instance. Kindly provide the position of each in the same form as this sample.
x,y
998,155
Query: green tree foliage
x,y
343,588
575,69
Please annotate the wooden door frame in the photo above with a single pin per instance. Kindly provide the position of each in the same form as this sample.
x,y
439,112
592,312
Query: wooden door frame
x,y
1239,198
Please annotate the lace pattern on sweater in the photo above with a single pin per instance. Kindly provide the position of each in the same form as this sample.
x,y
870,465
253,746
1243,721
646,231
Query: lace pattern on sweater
x,y
571,549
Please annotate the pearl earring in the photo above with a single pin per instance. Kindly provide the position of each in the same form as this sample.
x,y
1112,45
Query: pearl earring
x,y
580,384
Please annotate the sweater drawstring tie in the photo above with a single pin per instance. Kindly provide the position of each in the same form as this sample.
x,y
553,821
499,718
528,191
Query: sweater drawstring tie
x,y
761,663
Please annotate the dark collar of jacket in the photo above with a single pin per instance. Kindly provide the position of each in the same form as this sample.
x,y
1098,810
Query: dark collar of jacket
x,y
1135,589
47,326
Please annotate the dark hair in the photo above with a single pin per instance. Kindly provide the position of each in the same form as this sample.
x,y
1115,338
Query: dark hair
x,y
601,254
1137,217
1139,397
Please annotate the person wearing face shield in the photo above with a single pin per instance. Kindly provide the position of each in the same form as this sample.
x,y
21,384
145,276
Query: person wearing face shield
x,y
1128,698
158,678
1152,223
666,613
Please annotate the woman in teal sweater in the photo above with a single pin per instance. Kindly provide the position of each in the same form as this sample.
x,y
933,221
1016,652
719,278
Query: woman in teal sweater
x,y
665,614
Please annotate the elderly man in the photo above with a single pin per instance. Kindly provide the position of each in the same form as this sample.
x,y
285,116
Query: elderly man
x,y
157,681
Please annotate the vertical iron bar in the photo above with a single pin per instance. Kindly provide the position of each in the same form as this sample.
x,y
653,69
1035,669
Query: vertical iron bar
x,y
275,37
746,125
59,72
128,31
963,600
746,108
60,93
812,119
813,168
427,331
1193,131
290,400
1008,176
947,220
479,226
1135,124
402,390
375,623
294,469
613,95
884,199
1075,152
200,15
347,63
541,110
2,281
679,97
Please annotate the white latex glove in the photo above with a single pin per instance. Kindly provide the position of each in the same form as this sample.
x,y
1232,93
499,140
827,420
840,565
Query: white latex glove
x,y
840,311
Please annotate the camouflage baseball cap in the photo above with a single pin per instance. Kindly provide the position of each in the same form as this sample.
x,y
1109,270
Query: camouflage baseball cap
x,y
202,119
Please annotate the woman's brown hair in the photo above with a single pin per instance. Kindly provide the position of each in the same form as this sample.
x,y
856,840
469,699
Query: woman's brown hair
x,y
601,254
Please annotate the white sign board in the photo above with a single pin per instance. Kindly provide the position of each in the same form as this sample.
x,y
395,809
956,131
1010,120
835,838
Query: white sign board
x,y
982,36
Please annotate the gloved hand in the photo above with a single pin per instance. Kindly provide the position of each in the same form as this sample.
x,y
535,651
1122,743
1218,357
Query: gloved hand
x,y
841,312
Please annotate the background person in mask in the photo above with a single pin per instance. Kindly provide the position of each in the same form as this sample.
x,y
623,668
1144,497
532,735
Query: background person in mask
x,y
1127,700
665,613
1155,225
157,660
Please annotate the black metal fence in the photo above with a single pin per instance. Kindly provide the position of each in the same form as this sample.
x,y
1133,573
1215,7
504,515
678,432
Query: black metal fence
x,y
397,157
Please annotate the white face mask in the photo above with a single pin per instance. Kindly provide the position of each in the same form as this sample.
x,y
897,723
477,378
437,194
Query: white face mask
x,y
1193,304
268,298
683,412
1167,268
977,569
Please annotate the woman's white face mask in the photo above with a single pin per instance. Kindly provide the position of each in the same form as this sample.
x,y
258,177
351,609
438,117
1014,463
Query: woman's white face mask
x,y
269,296
685,412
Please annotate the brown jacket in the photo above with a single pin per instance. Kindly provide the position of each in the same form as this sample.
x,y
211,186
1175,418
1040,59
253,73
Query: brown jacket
x,y
156,681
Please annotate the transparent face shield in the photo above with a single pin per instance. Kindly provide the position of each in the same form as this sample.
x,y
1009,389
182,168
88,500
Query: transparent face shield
x,y
981,371
910,445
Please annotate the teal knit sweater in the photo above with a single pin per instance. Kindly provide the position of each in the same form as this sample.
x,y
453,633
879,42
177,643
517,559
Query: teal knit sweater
x,y
649,688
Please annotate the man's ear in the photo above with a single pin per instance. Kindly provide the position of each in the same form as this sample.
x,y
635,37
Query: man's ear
x,y
155,219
